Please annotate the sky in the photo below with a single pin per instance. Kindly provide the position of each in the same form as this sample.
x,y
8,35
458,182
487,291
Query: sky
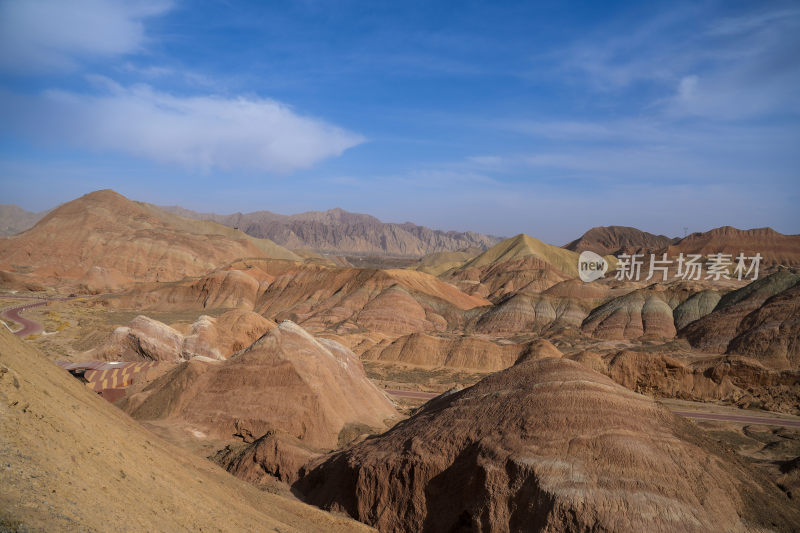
x,y
546,118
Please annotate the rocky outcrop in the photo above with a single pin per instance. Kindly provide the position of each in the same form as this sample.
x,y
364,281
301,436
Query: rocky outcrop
x,y
732,380
142,339
273,456
340,300
338,231
223,336
287,380
215,338
546,445
219,289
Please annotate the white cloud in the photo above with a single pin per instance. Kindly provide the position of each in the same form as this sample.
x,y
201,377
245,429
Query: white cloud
x,y
198,132
37,35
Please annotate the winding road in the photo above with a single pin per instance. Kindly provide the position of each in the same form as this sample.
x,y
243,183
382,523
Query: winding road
x,y
29,327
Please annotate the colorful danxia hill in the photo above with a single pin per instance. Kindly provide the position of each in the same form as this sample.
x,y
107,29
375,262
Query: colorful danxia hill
x,y
167,370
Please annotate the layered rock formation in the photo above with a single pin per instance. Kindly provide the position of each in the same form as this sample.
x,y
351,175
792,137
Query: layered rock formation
x,y
640,312
695,307
392,302
530,275
775,248
726,379
105,229
523,313
772,332
337,231
310,388
523,246
547,445
761,316
454,352
214,338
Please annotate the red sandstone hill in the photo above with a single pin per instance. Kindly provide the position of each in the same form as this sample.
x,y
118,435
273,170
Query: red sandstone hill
x,y
615,240
547,445
758,320
129,240
312,389
391,302
775,248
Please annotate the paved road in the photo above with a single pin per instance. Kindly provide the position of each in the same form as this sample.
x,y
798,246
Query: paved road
x,y
747,419
28,326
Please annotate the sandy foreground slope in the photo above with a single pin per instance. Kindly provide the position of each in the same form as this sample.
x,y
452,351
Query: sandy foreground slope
x,y
69,461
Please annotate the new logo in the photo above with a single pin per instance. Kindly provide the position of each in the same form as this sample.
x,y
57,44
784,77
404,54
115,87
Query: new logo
x,y
591,266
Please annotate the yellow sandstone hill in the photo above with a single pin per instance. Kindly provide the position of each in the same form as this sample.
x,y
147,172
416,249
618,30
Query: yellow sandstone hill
x,y
525,246
521,264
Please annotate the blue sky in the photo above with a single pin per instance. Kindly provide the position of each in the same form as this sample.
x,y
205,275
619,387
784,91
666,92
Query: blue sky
x,y
540,117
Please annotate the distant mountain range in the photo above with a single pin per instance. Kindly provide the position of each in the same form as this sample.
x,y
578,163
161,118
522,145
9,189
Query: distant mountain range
x,y
340,232
14,219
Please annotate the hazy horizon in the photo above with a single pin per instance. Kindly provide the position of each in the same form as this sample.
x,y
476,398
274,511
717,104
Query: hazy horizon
x,y
684,233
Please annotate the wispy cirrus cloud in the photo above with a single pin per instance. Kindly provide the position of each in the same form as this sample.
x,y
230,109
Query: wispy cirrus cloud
x,y
41,35
734,68
196,132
